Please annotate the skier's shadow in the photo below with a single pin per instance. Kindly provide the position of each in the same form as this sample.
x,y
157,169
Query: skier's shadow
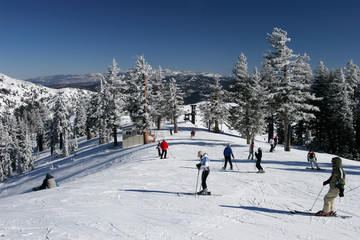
x,y
259,209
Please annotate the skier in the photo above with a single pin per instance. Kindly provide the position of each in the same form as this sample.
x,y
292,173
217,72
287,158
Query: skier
x,y
276,140
204,166
48,182
272,144
251,151
337,183
193,133
227,155
158,147
164,146
311,157
258,156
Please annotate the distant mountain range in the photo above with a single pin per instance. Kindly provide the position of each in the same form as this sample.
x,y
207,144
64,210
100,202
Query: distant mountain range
x,y
14,93
192,84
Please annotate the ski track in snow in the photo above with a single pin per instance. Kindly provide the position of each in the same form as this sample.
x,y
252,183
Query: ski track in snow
x,y
114,193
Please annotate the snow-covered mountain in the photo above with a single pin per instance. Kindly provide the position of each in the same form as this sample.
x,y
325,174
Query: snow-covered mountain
x,y
191,83
14,92
114,193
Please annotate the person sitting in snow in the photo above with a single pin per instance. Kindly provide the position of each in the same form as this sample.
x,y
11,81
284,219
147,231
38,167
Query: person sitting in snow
x,y
164,146
337,183
311,157
228,153
258,156
204,166
48,182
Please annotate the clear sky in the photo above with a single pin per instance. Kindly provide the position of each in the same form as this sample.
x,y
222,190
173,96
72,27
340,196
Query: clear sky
x,y
48,37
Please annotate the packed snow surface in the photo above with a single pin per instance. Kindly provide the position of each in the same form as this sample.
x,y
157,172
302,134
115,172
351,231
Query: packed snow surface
x,y
115,193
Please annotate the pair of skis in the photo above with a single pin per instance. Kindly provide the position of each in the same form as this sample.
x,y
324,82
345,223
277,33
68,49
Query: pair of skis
x,y
304,213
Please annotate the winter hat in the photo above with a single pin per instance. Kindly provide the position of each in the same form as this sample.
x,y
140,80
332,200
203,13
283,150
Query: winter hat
x,y
200,153
229,144
260,149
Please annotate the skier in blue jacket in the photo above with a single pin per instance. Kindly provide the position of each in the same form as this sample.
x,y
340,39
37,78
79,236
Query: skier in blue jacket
x,y
228,153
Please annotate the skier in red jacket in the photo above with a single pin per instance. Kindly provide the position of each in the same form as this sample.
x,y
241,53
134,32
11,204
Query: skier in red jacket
x,y
164,146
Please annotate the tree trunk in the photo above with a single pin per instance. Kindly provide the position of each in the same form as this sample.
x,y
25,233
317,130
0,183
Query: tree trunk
x,y
115,137
287,140
175,126
159,123
61,141
146,136
88,133
216,129
271,127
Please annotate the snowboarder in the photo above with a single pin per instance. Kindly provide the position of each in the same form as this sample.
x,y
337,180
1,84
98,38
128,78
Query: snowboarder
x,y
48,182
258,156
272,144
193,133
204,166
311,157
228,153
164,146
158,147
251,151
337,183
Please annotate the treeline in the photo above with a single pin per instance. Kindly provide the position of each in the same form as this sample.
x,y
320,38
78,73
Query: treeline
x,y
142,93
318,109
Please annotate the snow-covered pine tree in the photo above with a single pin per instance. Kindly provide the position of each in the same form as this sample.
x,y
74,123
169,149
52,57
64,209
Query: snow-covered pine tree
x,y
241,76
292,103
101,112
115,86
81,116
268,81
214,109
352,77
246,91
157,100
320,88
139,107
62,122
175,101
303,103
257,103
342,115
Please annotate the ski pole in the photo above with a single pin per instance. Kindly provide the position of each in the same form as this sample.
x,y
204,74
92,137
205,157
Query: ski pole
x,y
236,166
352,188
317,197
197,180
171,153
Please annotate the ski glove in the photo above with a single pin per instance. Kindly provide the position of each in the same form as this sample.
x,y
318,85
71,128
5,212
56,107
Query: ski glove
x,y
341,194
326,182
198,165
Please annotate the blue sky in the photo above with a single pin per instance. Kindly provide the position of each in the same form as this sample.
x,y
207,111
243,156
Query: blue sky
x,y
48,37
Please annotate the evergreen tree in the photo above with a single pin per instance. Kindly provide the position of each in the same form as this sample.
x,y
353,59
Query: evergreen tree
x,y
140,109
175,101
114,86
157,100
247,115
214,109
62,122
292,104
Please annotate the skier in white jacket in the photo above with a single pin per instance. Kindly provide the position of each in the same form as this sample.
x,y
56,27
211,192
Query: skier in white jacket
x,y
204,166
